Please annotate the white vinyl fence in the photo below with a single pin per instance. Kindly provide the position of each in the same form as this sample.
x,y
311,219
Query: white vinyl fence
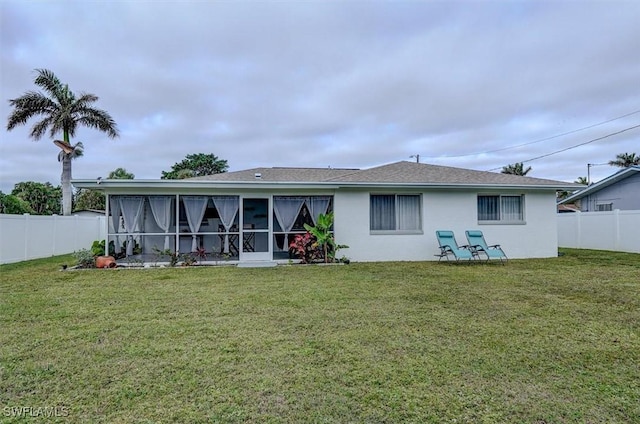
x,y
24,237
616,230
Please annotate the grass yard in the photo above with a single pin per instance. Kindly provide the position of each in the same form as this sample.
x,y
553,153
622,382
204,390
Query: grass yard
x,y
535,341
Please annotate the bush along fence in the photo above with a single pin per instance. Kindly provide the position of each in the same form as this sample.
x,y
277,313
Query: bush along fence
x,y
24,237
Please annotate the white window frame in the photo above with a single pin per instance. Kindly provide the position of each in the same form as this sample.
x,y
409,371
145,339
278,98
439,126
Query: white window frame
x,y
396,231
604,206
502,220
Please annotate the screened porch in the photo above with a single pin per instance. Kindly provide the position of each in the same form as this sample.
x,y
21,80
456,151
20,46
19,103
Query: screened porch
x,y
147,228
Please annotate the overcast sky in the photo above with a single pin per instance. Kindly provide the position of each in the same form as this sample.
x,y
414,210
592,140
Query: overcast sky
x,y
340,84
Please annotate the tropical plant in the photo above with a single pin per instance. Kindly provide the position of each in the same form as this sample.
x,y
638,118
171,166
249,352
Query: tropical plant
x,y
516,169
42,198
305,247
625,160
324,237
61,112
196,165
97,248
581,180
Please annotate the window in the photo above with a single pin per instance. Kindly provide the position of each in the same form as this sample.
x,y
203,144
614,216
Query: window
x,y
501,208
604,207
395,212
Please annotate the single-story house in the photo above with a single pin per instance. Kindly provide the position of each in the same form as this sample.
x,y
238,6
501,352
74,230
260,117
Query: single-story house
x,y
385,213
618,191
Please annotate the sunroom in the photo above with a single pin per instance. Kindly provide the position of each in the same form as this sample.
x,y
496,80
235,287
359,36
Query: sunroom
x,y
212,227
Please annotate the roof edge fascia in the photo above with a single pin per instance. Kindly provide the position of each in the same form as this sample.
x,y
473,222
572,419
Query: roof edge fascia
x,y
194,184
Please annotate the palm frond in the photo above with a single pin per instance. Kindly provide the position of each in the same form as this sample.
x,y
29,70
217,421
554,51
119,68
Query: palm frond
x,y
100,119
48,81
39,128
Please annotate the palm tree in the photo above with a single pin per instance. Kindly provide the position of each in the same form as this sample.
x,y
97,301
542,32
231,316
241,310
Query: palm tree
x,y
515,169
61,111
625,160
582,180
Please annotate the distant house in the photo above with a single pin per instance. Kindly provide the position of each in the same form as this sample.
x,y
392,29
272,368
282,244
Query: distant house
x,y
618,191
385,213
88,212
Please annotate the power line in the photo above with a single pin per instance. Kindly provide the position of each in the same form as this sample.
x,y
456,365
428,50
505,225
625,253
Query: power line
x,y
540,140
574,146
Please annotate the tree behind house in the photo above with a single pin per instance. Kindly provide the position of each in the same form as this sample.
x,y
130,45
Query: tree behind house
x,y
196,165
516,169
625,160
42,198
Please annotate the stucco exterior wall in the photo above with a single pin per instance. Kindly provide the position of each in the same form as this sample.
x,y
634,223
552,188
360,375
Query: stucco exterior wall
x,y
445,210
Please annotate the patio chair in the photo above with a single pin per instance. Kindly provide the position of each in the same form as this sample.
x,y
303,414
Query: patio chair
x,y
449,246
477,243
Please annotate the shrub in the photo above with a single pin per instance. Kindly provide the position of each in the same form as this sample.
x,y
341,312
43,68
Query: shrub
x,y
85,258
305,247
97,248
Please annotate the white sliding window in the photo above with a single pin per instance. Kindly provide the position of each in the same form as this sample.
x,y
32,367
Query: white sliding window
x,y
395,213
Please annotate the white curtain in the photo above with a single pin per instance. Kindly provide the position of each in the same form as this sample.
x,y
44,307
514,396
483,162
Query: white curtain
x,y
383,216
194,207
317,205
286,210
511,208
408,212
488,209
162,212
131,207
114,205
227,207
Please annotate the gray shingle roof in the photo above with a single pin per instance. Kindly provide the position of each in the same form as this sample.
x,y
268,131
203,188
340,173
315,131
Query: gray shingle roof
x,y
398,172
281,174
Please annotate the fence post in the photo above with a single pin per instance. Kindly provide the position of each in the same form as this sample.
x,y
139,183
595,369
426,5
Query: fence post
x,y
55,234
616,224
26,236
579,229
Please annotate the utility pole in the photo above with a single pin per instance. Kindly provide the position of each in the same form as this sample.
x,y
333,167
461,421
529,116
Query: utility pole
x,y
589,165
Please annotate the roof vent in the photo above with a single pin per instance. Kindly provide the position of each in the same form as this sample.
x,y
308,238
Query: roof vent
x,y
258,176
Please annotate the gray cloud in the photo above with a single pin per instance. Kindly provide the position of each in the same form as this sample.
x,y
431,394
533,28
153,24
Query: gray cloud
x,y
329,84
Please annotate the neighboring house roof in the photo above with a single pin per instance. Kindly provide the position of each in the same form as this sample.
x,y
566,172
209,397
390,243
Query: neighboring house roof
x,y
391,175
567,208
88,211
612,179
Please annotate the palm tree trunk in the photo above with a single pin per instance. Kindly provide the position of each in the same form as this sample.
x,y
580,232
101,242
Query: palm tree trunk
x,y
65,178
66,185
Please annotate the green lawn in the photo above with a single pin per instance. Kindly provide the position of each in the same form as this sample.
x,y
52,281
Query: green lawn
x,y
535,341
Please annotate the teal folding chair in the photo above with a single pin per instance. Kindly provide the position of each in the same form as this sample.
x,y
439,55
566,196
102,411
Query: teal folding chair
x,y
449,247
479,245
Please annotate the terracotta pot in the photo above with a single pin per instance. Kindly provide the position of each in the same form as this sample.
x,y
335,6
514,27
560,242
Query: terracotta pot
x,y
105,262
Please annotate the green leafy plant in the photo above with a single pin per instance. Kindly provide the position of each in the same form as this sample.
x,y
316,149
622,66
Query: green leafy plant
x,y
324,236
174,257
136,247
84,258
305,247
98,248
